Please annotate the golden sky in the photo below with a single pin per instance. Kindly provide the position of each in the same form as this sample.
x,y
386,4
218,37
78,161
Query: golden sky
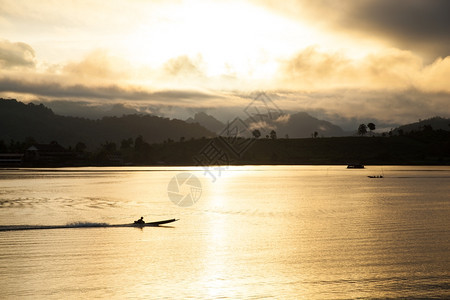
x,y
379,59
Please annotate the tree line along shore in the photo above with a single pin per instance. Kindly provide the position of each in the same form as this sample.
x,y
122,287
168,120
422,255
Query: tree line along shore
x,y
426,147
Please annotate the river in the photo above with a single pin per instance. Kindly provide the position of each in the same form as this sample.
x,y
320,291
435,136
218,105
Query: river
x,y
250,232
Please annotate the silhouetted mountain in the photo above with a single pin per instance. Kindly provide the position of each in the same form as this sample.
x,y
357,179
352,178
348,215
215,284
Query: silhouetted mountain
x,y
297,125
435,123
207,121
19,121
91,111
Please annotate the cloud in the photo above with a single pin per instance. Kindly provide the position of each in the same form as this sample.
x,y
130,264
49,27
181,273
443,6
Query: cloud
x,y
436,76
364,105
54,88
283,119
16,55
99,64
269,124
391,85
422,26
184,66
389,70
310,68
263,125
99,76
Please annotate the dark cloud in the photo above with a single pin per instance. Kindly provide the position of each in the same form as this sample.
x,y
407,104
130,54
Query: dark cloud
x,y
422,26
55,89
16,55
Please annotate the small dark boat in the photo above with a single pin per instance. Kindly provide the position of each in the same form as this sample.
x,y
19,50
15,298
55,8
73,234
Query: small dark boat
x,y
377,176
355,166
157,223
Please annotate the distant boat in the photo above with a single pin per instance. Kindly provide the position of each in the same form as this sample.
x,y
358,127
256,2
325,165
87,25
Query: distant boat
x,y
376,176
355,166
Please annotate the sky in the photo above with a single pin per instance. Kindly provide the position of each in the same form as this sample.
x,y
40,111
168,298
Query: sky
x,y
346,61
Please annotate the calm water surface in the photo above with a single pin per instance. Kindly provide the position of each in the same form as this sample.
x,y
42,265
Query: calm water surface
x,y
282,232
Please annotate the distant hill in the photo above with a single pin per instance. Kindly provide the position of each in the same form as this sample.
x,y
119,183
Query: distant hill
x,y
297,125
435,122
207,121
19,121
89,111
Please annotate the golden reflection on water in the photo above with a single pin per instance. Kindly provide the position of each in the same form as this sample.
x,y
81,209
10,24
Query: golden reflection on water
x,y
214,261
278,232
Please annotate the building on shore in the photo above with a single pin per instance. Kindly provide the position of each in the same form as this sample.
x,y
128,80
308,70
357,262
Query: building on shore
x,y
47,154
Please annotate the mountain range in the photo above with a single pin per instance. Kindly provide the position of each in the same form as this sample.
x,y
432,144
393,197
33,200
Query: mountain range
x,y
299,125
19,121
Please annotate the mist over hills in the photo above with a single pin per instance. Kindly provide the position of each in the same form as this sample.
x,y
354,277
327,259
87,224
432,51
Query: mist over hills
x,y
214,119
19,121
296,125
302,124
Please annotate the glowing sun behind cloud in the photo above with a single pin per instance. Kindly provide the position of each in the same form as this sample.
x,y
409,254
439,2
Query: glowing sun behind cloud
x,y
310,55
231,37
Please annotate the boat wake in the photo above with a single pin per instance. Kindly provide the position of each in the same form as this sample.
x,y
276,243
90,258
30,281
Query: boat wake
x,y
70,225
82,225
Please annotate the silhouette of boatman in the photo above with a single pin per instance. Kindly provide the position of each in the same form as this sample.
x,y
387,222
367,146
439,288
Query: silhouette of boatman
x,y
140,221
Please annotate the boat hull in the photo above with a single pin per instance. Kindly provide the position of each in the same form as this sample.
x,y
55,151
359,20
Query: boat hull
x,y
157,223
